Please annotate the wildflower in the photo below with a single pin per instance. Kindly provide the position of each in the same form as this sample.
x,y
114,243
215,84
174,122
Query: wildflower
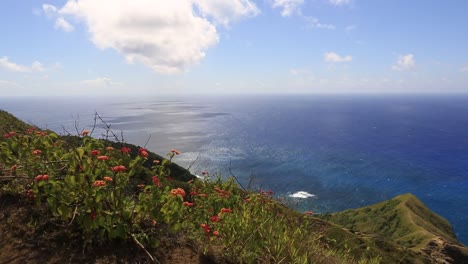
x,y
95,152
99,183
309,213
215,233
6,135
119,168
214,219
30,130
156,162
206,227
103,158
188,204
42,134
92,215
193,193
38,178
36,152
226,210
203,195
108,179
13,168
109,148
175,151
12,133
45,177
85,132
125,150
156,181
144,154
178,191
30,194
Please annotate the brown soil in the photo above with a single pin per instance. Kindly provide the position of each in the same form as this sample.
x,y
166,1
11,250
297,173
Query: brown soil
x,y
28,236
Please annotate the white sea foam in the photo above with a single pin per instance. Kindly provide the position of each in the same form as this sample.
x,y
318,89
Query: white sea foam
x,y
302,195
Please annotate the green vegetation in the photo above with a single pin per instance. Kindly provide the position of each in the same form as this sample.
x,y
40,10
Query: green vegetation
x,y
98,192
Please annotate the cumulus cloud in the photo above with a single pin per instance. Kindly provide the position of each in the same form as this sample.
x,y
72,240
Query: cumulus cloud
x,y
5,63
404,62
61,23
334,57
339,2
225,11
288,7
167,36
313,22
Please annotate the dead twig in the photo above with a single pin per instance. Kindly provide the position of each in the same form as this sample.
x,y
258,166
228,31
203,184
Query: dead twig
x,y
144,249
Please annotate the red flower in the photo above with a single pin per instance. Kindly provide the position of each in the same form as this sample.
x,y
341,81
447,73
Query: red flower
x,y
95,152
226,210
215,233
108,179
214,219
103,158
99,183
193,193
6,135
30,194
156,181
175,151
156,162
203,195
178,191
109,148
12,133
125,150
144,154
119,168
309,213
188,204
38,178
36,152
45,177
85,132
206,227
93,215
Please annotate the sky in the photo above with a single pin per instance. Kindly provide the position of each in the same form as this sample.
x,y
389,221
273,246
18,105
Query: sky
x,y
150,47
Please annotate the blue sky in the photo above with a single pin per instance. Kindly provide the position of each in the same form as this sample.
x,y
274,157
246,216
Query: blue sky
x,y
89,47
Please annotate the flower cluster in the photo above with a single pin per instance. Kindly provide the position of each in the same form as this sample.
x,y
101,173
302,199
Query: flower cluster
x,y
103,158
99,183
175,151
125,150
119,168
178,191
44,177
9,135
156,181
143,152
108,179
188,204
94,152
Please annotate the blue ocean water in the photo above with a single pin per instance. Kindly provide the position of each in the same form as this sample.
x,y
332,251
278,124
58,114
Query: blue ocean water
x,y
346,150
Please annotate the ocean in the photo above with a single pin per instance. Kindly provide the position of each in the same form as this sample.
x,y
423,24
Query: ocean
x,y
330,152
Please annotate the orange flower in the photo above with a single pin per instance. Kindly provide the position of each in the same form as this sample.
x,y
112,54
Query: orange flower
x,y
178,191
214,219
206,227
175,151
36,152
144,153
13,168
109,148
188,204
119,168
203,195
85,132
215,233
103,158
95,152
99,183
226,210
108,179
156,161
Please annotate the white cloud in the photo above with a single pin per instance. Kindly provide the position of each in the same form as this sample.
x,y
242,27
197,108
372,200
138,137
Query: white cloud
x,y
49,10
464,68
334,57
315,23
339,2
167,36
226,11
61,23
289,6
8,84
37,66
11,66
100,82
404,62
